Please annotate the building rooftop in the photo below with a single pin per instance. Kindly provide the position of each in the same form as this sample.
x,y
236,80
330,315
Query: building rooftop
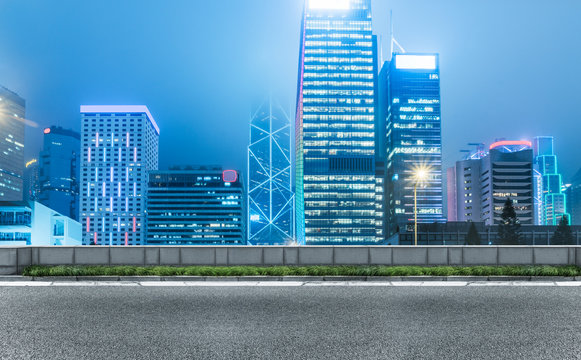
x,y
99,109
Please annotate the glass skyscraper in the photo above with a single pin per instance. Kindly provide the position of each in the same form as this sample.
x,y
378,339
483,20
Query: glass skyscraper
x,y
335,126
119,147
270,195
409,88
12,120
554,202
59,171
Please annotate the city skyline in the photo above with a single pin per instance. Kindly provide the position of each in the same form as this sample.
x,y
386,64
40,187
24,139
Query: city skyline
x,y
499,106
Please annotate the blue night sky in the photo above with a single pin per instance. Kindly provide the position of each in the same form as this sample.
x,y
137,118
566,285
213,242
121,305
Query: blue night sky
x,y
509,69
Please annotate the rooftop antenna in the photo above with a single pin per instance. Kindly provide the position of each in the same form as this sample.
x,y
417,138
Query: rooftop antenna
x,y
393,40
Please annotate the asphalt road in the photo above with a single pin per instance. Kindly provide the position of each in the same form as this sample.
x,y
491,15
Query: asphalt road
x,y
290,323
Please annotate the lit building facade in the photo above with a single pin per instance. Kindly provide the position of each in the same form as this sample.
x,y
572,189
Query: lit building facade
x,y
119,147
59,171
574,199
554,202
507,172
464,193
31,223
12,121
270,195
335,176
31,181
196,206
409,93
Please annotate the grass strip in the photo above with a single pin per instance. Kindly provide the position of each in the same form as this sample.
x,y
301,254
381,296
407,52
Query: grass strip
x,y
74,270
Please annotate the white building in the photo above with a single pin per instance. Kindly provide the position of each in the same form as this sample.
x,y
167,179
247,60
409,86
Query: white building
x,y
31,223
119,147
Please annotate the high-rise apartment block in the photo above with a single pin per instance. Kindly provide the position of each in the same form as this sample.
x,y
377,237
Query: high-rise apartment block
x,y
479,185
119,147
12,121
335,184
196,206
59,171
270,194
410,118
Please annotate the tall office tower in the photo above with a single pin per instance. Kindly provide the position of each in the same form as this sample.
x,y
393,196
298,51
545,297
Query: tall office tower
x,y
467,193
196,206
554,204
335,125
59,171
119,147
409,93
574,199
12,119
31,181
507,172
270,195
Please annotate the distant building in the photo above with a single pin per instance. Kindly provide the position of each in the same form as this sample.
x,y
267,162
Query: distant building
x,y
59,171
270,196
554,202
464,195
409,97
119,147
574,199
196,206
507,172
335,129
31,181
479,185
454,233
12,121
31,223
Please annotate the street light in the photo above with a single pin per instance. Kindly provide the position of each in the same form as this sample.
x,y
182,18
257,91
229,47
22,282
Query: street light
x,y
420,175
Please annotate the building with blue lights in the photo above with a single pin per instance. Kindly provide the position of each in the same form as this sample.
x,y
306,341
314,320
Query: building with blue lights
x,y
196,206
31,223
12,121
270,195
554,201
59,171
410,119
119,147
337,200
573,193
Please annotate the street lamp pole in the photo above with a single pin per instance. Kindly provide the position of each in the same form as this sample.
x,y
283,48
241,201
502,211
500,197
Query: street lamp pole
x,y
416,213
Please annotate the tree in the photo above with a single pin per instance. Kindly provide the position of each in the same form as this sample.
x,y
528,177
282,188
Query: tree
x,y
509,228
563,234
473,237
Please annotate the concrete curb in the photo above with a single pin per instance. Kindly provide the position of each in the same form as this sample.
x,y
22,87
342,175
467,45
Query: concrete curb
x,y
6,278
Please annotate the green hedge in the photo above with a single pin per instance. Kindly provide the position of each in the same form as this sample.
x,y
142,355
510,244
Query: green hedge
x,y
36,270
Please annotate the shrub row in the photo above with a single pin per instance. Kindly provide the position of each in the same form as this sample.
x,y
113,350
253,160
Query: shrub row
x,y
37,270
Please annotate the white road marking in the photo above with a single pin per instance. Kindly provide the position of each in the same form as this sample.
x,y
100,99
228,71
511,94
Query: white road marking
x,y
287,283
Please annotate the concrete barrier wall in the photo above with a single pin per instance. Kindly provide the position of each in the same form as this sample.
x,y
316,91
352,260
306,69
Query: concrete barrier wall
x,y
14,259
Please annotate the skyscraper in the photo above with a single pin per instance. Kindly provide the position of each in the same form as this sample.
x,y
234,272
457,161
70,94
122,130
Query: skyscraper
x,y
335,125
12,117
59,171
196,206
119,147
270,195
507,172
554,202
409,92
31,181
574,199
